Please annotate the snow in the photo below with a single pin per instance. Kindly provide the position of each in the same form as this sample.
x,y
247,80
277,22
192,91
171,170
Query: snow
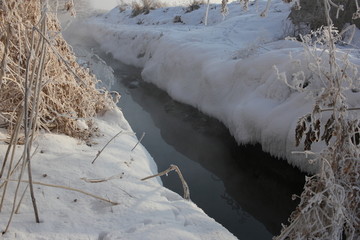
x,y
225,69
146,209
104,4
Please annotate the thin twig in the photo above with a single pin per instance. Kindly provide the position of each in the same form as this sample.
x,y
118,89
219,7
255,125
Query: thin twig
x,y
348,109
21,199
99,180
12,148
118,176
25,128
184,184
12,142
64,187
35,105
98,154
18,164
141,138
177,170
4,60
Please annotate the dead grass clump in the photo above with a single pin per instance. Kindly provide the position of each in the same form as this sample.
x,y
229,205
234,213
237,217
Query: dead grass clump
x,y
177,19
67,91
123,5
144,7
194,5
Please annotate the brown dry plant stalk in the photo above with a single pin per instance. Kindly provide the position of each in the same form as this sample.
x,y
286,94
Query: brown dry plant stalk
x,y
41,86
182,179
67,91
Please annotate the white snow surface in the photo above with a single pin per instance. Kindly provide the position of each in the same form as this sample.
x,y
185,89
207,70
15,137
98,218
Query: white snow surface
x,y
225,69
146,209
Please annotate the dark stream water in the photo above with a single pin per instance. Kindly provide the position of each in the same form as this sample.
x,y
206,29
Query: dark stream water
x,y
241,187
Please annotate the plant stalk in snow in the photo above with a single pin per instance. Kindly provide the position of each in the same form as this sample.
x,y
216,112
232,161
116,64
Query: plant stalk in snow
x,y
177,170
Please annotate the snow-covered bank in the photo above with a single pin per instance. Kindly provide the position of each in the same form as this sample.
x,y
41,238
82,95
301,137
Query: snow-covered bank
x,y
146,210
224,69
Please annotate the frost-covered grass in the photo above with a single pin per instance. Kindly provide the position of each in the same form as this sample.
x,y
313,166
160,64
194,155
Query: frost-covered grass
x,y
225,69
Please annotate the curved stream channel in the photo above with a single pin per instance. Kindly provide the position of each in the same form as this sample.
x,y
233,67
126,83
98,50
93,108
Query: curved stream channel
x,y
241,187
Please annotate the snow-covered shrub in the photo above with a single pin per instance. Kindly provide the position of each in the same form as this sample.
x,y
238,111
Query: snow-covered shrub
x,y
330,203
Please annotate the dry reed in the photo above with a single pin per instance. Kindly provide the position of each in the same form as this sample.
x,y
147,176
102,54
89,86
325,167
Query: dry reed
x,y
67,91
41,87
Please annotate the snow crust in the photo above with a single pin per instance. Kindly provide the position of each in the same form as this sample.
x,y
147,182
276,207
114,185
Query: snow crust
x,y
146,209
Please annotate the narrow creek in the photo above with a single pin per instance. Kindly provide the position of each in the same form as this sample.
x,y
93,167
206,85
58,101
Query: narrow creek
x,y
241,187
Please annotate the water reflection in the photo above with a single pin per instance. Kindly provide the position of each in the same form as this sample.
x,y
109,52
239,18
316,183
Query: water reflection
x,y
241,187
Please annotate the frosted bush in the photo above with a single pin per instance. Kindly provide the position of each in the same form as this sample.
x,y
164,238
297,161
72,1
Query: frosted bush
x,y
330,203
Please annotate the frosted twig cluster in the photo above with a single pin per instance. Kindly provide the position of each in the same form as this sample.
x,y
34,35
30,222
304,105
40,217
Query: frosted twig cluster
x,y
330,203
